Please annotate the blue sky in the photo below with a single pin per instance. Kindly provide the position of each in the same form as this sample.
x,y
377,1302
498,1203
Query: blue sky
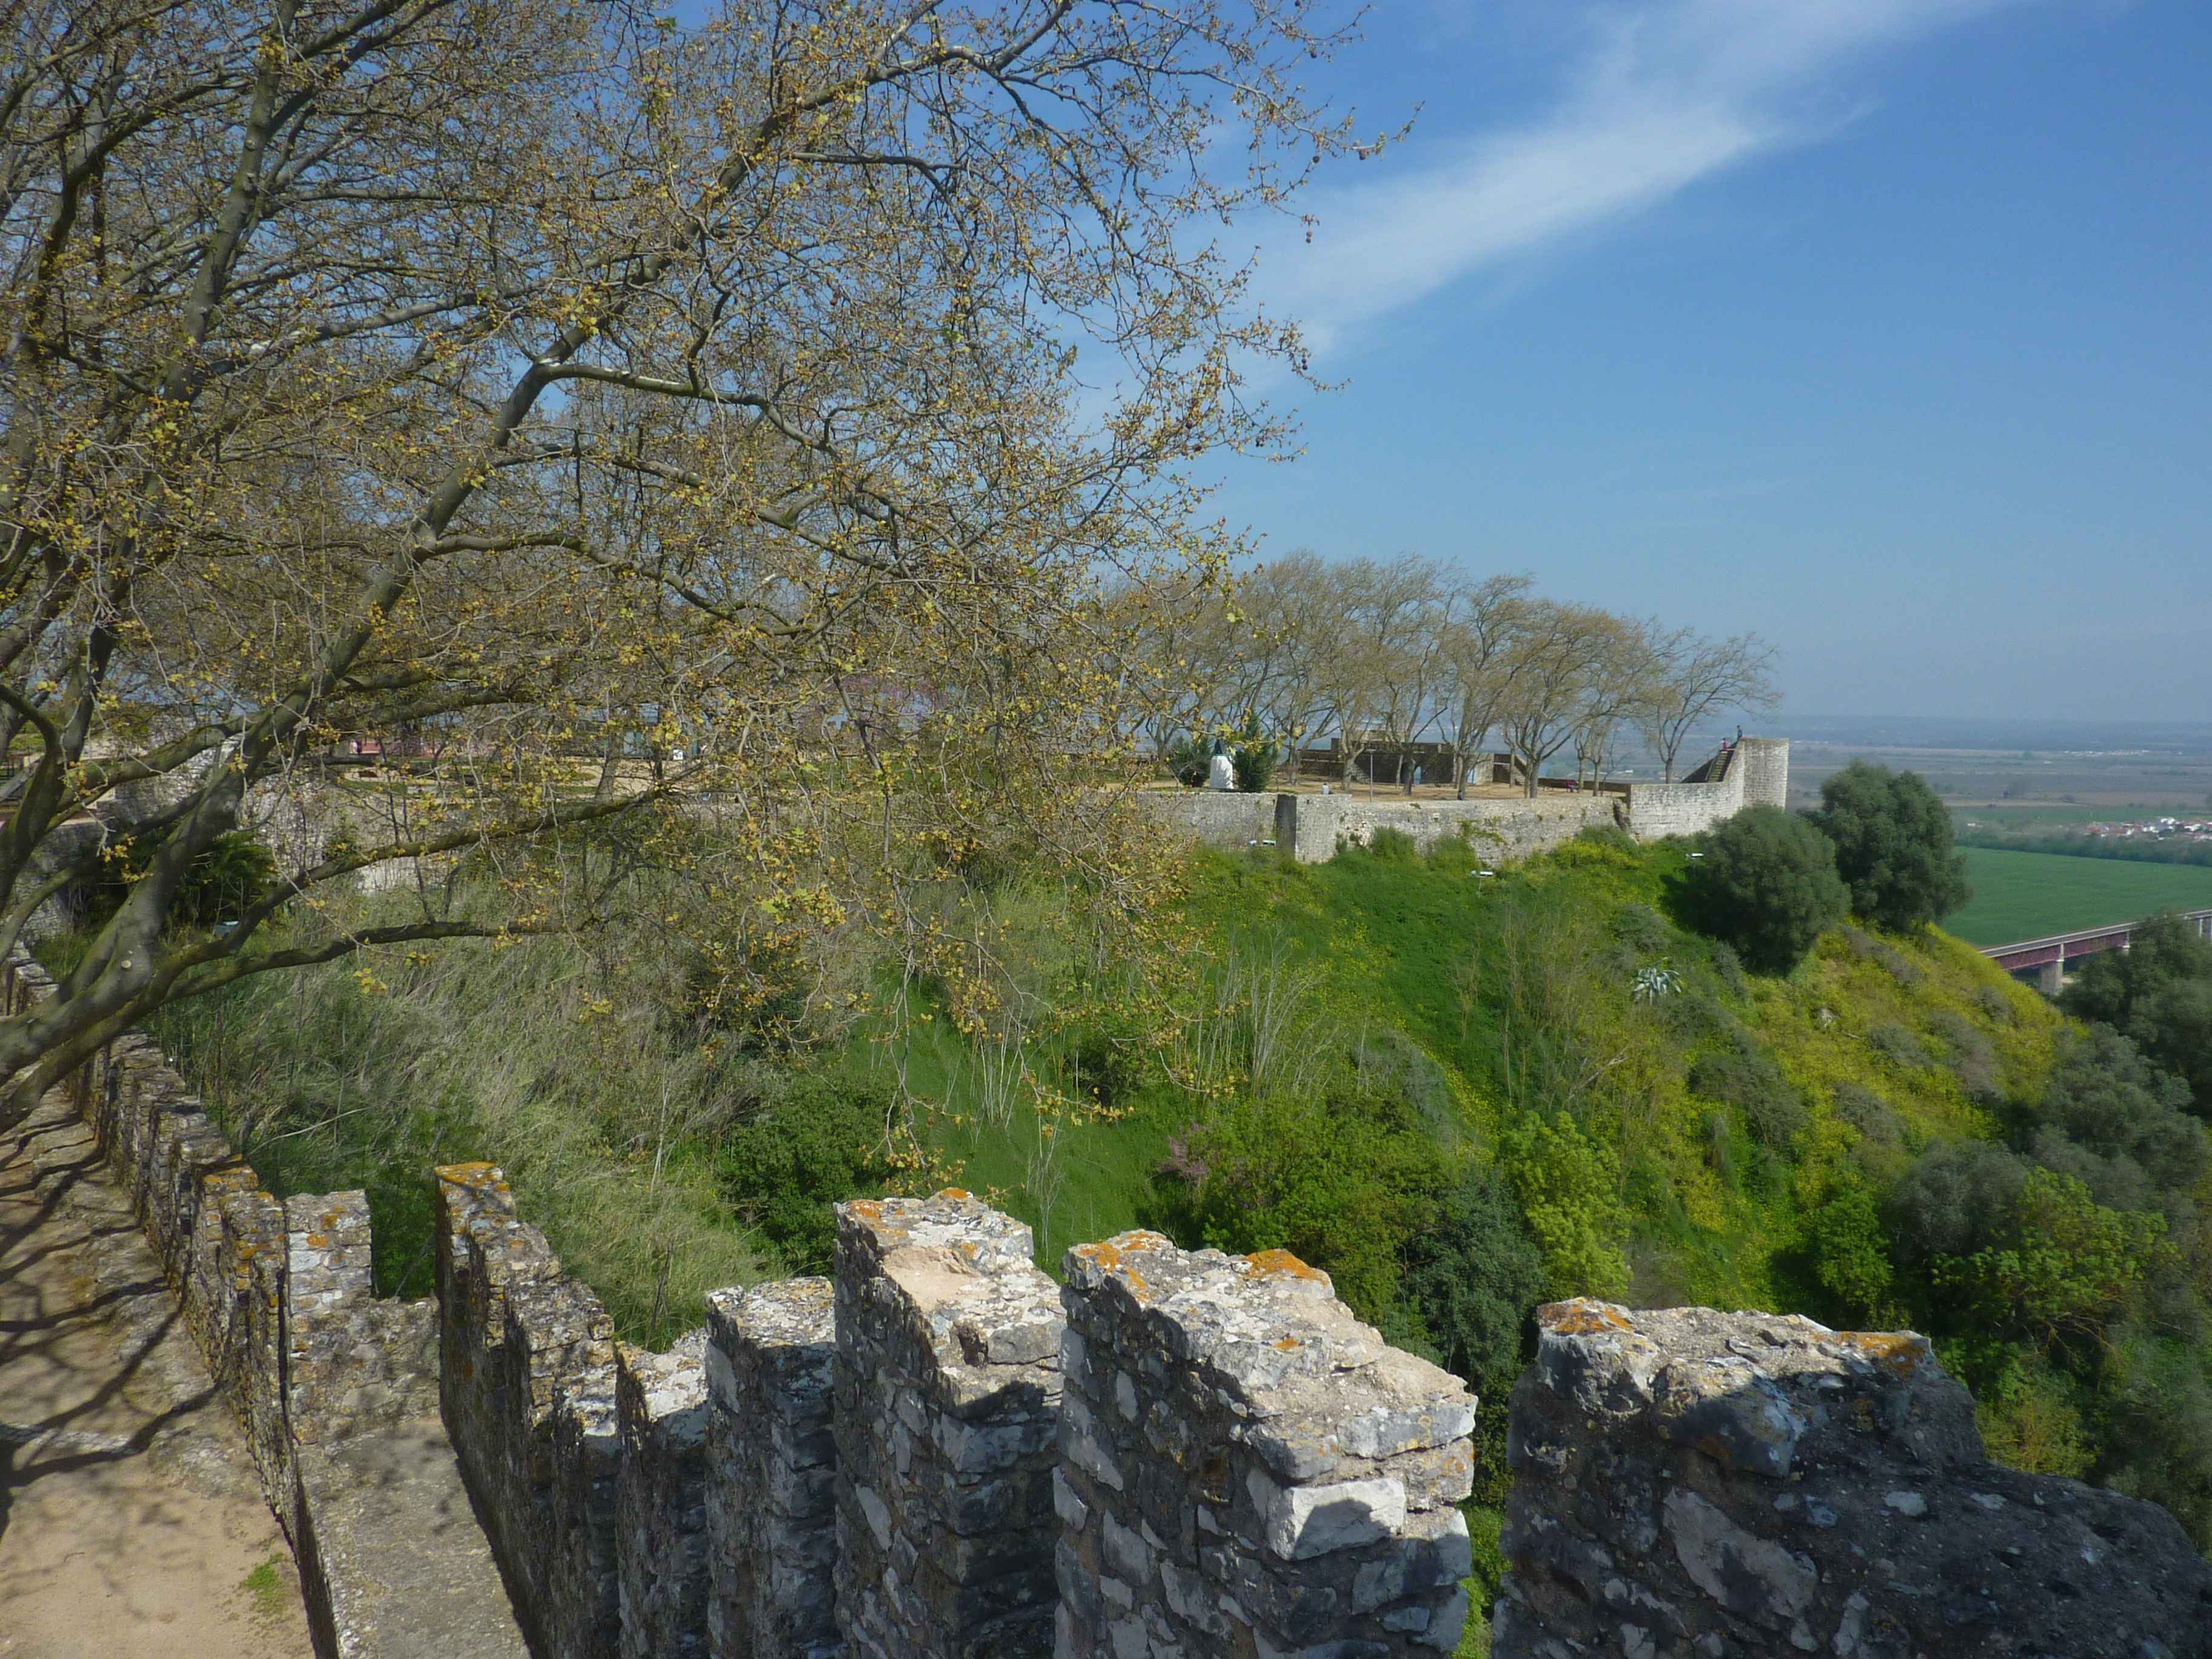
x,y
1881,328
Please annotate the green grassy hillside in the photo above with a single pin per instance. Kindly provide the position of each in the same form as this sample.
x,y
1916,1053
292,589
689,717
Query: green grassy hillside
x,y
1459,1094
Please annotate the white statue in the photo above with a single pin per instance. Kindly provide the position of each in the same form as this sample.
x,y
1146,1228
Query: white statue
x,y
1222,774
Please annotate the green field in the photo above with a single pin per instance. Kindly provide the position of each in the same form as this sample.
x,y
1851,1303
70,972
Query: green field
x,y
2027,895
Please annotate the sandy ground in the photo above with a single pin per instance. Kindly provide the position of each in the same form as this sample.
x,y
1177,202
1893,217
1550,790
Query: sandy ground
x,y
132,1526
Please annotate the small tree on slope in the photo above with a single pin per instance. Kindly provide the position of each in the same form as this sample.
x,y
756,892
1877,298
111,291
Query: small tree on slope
x,y
1892,839
1767,883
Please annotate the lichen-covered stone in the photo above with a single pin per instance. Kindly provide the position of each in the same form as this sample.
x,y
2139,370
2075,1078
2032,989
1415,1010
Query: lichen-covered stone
x,y
946,1410
771,1494
1246,1468
526,1384
660,1401
1696,1482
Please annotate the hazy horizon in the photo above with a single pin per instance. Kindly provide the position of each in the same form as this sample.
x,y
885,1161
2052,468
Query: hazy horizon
x,y
1881,330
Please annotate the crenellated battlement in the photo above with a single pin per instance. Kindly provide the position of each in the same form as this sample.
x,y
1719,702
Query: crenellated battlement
x,y
939,1453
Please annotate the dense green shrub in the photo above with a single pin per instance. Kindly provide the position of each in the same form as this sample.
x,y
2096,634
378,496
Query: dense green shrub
x,y
1745,1076
1767,885
2159,992
822,1138
1850,1250
1970,1055
1393,846
232,875
2061,1266
1898,1047
1952,1202
2159,1444
1728,967
2106,1099
1342,1180
1568,1185
1892,842
1475,1273
1868,1112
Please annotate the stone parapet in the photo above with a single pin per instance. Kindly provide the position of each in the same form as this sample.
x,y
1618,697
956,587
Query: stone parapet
x,y
1246,1468
660,1411
772,1484
1731,1486
946,1409
527,1387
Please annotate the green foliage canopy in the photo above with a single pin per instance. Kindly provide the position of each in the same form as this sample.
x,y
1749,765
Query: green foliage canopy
x,y
2158,991
1767,883
824,1137
1893,845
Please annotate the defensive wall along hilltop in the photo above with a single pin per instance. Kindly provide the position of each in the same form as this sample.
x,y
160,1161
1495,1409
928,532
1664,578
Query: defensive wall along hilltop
x,y
940,1453
1312,826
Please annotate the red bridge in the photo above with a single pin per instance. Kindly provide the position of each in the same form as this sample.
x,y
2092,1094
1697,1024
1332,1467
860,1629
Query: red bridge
x,y
2046,958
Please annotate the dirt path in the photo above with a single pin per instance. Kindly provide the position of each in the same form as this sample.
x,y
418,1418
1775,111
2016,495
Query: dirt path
x,y
131,1525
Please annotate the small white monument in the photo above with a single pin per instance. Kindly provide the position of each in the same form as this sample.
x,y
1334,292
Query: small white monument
x,y
1222,774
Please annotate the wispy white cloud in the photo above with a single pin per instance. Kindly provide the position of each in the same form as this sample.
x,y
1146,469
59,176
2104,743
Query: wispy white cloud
x,y
1653,95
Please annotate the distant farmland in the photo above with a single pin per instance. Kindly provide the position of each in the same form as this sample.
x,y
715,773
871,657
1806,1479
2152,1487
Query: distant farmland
x,y
2026,895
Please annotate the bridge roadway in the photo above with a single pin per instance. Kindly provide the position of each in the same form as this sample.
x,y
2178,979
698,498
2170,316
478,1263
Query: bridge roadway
x,y
2047,958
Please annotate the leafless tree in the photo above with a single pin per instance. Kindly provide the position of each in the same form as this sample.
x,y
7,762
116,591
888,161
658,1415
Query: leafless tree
x,y
1696,678
1480,625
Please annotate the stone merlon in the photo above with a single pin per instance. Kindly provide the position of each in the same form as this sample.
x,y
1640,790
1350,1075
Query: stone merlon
x,y
1708,1484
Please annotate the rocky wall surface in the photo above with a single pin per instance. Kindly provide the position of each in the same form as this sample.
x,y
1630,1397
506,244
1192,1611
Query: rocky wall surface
x,y
527,1387
1247,1470
772,1483
1723,1486
1320,825
1765,762
946,1408
1216,818
660,1410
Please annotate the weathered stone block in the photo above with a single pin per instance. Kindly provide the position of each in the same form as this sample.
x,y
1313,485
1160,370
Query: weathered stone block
x,y
1246,1468
1730,1485
947,1401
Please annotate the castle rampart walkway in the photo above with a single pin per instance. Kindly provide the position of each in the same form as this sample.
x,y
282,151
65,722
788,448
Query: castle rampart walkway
x,y
131,1520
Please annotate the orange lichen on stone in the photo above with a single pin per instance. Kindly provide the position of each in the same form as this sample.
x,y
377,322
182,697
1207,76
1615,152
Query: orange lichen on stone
x,y
1899,1354
868,1209
1582,1317
1270,1264
1108,1257
955,1192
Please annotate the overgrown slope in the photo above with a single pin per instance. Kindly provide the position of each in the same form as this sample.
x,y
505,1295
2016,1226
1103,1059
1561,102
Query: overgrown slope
x,y
1460,1091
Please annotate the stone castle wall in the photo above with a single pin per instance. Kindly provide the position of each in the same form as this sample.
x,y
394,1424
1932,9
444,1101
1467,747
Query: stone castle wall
x,y
1733,1486
1311,828
939,1453
1241,1461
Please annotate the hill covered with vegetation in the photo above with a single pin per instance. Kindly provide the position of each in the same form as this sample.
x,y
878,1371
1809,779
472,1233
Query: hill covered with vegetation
x,y
1460,1092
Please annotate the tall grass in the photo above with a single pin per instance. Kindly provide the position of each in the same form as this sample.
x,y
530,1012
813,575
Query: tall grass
x,y
534,1055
